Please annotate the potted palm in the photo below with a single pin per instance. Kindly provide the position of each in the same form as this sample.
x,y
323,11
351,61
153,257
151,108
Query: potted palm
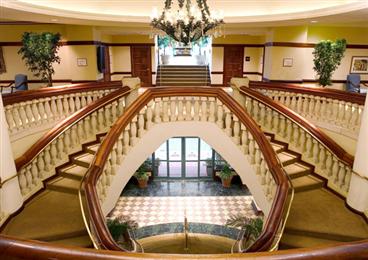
x,y
226,176
119,227
252,228
142,175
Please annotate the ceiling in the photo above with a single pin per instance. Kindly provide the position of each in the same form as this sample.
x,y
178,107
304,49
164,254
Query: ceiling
x,y
238,13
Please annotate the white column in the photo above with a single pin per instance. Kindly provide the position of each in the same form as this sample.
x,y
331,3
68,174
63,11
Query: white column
x,y
133,83
10,196
358,191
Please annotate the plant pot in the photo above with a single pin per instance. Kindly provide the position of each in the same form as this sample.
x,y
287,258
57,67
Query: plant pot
x,y
226,183
142,183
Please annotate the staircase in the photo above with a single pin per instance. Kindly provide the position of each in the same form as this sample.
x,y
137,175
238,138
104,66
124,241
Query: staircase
x,y
317,216
186,75
61,220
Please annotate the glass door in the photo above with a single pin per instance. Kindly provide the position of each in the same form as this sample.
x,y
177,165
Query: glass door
x,y
175,158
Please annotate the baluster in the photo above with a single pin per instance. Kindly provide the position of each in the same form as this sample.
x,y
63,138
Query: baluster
x,y
289,130
315,151
317,108
41,166
196,109
287,99
303,141
33,176
228,122
354,117
141,123
83,100
220,115
67,141
108,115
335,170
299,104
275,122
113,160
77,101
251,149
296,135
16,117
133,131
335,109
157,118
165,111
256,114
323,109
244,139
173,104
53,153
126,140
66,106
347,179
322,157
149,115
75,140
93,122
9,118
341,175
119,150
329,162
180,109
305,105
203,109
309,145
121,106
48,114
348,113
269,119
211,117
80,131
236,130
282,128
60,147
59,106
188,109
293,103
311,107
35,112
257,160
262,114
100,120
23,182
22,114
89,97
54,109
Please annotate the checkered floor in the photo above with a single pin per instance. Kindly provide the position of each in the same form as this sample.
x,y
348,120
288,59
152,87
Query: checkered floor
x,y
201,209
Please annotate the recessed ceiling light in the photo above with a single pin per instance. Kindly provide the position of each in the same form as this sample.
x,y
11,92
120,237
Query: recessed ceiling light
x,y
54,20
314,21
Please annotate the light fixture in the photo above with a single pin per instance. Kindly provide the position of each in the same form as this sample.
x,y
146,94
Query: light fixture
x,y
314,21
189,22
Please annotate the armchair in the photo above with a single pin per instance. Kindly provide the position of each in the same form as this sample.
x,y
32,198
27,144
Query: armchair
x,y
20,83
353,83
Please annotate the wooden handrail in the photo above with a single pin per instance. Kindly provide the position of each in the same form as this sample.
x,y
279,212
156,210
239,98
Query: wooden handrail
x,y
309,127
37,147
273,222
22,96
315,91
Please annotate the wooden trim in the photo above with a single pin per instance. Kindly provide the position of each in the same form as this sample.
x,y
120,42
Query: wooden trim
x,y
250,45
107,71
309,45
311,128
37,147
121,73
252,73
217,72
22,96
93,174
322,92
130,44
217,85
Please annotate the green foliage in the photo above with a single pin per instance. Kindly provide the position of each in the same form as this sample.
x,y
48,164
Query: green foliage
x,y
120,225
141,173
39,52
226,172
252,226
327,57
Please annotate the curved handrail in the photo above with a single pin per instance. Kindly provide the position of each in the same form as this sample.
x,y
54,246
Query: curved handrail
x,y
273,222
37,147
316,91
310,128
22,96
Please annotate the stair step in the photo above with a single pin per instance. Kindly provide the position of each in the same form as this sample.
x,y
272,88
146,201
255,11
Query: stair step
x,y
297,170
64,185
307,182
78,241
73,171
92,149
288,158
289,241
278,148
181,84
185,80
83,160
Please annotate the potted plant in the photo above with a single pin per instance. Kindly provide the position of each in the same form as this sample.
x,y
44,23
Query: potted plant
x,y
119,227
327,57
252,227
40,52
142,175
226,176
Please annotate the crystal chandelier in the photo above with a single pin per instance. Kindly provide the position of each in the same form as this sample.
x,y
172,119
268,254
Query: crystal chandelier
x,y
188,22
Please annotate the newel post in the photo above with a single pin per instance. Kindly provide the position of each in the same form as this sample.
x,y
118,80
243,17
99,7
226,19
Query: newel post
x,y
358,191
236,83
10,195
134,84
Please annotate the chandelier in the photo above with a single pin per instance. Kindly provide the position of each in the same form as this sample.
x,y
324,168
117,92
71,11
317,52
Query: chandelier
x,y
188,22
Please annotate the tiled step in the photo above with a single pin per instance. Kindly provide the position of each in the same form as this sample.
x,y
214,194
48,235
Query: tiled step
x,y
83,160
306,183
297,170
288,158
92,149
73,171
64,185
78,241
278,148
289,241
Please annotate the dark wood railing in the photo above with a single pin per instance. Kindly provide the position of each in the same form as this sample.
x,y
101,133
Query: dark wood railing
x,y
311,128
272,224
37,147
315,91
26,95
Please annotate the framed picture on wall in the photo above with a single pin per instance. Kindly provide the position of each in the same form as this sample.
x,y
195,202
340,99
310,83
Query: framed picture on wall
x,y
81,62
359,65
287,62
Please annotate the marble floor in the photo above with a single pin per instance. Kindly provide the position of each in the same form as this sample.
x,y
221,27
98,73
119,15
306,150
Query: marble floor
x,y
169,201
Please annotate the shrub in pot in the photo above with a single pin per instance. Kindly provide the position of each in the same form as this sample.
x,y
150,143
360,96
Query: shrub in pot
x,y
142,177
226,176
119,227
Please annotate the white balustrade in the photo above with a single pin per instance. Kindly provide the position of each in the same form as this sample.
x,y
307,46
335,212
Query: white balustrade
x,y
35,115
312,150
70,141
184,108
336,115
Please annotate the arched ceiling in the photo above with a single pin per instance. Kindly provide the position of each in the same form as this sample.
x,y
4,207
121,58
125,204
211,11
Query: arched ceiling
x,y
244,12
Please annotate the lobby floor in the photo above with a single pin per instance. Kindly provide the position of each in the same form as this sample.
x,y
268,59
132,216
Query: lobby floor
x,y
169,201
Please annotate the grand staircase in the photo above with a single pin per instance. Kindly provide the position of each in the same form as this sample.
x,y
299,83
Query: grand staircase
x,y
183,75
317,216
61,220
